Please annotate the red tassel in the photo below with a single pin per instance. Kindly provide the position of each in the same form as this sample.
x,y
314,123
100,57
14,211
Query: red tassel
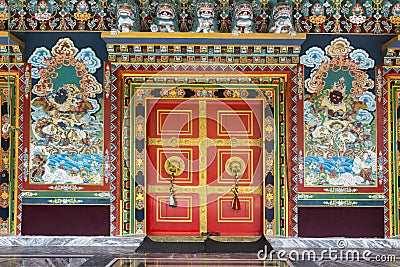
x,y
235,201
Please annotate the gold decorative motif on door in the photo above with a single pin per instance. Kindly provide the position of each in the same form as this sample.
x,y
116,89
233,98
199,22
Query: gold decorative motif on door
x,y
204,167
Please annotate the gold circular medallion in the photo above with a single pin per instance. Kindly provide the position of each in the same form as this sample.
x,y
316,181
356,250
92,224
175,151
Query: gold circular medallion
x,y
174,165
235,165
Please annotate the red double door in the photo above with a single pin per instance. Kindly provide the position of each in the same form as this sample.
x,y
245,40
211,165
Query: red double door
x,y
207,142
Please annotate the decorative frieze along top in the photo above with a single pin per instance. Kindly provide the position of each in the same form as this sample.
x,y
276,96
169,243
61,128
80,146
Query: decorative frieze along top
x,y
201,38
216,48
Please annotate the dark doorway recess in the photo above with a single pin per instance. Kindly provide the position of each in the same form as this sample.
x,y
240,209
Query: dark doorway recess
x,y
66,220
341,222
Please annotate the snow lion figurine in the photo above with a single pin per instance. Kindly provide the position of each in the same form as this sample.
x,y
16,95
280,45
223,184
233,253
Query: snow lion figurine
x,y
204,20
166,19
282,19
242,17
127,16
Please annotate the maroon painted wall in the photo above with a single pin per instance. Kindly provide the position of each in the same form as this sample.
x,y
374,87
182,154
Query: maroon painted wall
x,y
340,222
66,220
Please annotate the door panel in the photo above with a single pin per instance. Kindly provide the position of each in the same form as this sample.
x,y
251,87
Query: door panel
x,y
235,127
217,174
157,157
172,131
230,119
166,220
172,118
244,222
206,138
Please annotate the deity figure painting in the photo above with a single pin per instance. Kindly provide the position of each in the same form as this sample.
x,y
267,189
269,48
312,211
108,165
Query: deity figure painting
x,y
66,126
339,117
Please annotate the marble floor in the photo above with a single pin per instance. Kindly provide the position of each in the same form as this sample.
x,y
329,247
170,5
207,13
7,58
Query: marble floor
x,y
113,252
59,257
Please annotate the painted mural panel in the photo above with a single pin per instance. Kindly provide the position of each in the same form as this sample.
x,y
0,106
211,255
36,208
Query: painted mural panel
x,y
66,143
340,119
342,158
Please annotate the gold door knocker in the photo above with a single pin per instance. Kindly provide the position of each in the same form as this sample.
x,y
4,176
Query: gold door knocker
x,y
235,166
174,166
